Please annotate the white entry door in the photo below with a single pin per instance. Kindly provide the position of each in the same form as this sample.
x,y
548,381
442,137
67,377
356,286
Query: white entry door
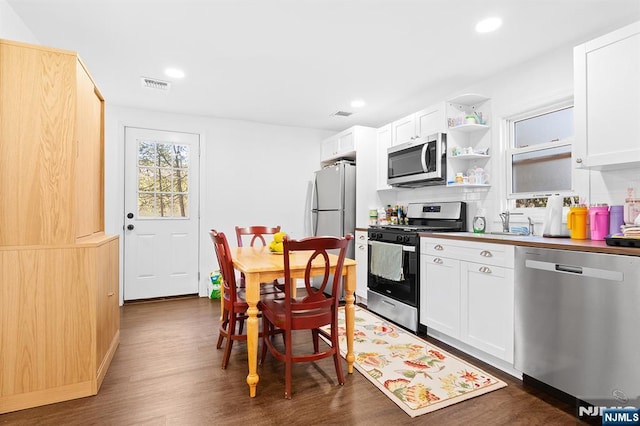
x,y
161,213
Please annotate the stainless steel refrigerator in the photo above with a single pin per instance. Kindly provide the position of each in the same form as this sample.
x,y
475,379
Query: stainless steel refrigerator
x,y
333,210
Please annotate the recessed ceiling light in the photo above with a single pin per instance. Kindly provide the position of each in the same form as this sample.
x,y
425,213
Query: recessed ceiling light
x,y
488,25
174,72
359,103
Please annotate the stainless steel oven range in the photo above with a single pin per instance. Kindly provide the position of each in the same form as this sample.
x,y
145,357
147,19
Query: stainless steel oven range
x,y
393,271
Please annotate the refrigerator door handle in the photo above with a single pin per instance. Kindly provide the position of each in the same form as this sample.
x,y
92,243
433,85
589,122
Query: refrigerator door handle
x,y
314,207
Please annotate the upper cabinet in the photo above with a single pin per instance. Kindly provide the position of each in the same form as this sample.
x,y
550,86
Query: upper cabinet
x,y
51,149
342,145
418,125
468,140
607,100
383,143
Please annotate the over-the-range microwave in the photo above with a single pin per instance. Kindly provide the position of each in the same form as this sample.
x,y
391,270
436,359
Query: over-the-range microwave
x,y
420,162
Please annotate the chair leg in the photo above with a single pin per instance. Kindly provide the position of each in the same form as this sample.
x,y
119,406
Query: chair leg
x,y
288,364
266,333
225,321
231,331
336,355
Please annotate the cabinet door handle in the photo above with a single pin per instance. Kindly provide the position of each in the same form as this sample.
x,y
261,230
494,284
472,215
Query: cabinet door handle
x,y
110,294
484,270
579,160
361,237
438,247
437,261
486,253
361,247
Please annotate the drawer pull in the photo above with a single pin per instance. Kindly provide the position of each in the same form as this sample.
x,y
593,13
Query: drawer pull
x,y
361,237
361,247
486,253
437,260
484,270
438,247
110,294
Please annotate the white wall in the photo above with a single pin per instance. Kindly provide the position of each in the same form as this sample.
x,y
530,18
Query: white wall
x,y
542,80
12,27
251,173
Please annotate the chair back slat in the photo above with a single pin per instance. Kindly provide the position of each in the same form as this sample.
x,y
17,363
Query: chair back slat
x,y
257,233
315,299
225,262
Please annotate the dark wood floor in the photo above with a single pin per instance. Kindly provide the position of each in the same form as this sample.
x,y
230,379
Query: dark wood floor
x,y
167,372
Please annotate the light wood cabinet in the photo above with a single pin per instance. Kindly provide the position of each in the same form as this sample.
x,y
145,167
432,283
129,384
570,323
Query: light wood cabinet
x,y
59,303
607,100
467,293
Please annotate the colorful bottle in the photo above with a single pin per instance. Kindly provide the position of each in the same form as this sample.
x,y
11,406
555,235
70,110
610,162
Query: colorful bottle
x,y
577,222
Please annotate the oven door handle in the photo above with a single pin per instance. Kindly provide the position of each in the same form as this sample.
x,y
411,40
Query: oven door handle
x,y
404,248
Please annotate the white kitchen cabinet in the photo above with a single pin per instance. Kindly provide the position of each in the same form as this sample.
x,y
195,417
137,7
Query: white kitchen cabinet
x,y
607,100
419,124
342,145
440,294
466,293
346,143
383,143
362,255
366,173
487,304
472,140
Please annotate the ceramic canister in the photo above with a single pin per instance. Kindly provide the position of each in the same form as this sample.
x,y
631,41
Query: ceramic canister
x,y
599,221
616,219
577,222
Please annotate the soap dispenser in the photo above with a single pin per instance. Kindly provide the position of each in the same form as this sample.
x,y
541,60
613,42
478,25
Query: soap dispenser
x,y
479,222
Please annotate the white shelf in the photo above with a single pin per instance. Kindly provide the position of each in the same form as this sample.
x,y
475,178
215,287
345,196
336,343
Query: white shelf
x,y
469,156
468,128
468,185
469,99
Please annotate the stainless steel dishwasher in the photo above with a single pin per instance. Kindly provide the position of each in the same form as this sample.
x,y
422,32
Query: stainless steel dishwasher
x,y
577,321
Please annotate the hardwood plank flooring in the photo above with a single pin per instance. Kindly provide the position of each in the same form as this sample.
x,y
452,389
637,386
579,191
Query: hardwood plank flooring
x,y
167,372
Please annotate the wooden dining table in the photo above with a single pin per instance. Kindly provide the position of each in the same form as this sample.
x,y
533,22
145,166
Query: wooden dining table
x,y
259,265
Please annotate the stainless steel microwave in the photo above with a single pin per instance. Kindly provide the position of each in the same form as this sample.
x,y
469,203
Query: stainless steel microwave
x,y
420,162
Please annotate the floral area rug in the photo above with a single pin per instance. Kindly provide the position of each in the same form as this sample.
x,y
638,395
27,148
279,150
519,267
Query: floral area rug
x,y
416,375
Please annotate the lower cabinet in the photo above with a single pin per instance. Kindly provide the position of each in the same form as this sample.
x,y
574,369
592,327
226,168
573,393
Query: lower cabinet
x,y
362,259
466,292
59,309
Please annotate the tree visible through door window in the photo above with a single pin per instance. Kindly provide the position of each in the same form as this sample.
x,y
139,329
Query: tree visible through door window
x,y
163,180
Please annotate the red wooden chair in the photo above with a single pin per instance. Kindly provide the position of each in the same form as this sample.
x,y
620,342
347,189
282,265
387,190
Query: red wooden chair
x,y
257,234
310,312
234,305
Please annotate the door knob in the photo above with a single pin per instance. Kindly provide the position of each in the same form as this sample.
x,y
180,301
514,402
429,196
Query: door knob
x,y
130,227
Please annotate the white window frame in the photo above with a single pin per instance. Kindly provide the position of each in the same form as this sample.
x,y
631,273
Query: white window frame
x,y
509,122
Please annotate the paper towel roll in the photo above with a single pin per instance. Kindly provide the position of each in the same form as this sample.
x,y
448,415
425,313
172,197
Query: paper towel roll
x,y
553,218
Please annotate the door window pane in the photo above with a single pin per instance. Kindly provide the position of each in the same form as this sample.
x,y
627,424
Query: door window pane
x,y
163,180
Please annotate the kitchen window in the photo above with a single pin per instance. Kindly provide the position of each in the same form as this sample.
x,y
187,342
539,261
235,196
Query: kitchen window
x,y
539,155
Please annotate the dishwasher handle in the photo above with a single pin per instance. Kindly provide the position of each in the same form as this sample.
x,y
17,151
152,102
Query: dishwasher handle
x,y
582,271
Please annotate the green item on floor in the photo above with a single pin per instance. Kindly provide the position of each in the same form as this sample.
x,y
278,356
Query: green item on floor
x,y
216,280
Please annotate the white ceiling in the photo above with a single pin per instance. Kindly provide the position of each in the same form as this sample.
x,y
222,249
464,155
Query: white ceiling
x,y
295,62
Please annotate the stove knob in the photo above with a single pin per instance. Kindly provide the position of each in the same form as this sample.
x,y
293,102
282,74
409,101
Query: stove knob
x,y
407,238
379,235
399,238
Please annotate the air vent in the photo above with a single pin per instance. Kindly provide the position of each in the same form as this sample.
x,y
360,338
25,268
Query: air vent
x,y
152,83
342,114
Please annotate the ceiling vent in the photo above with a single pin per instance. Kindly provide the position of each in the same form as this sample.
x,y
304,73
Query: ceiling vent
x,y
342,114
155,84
